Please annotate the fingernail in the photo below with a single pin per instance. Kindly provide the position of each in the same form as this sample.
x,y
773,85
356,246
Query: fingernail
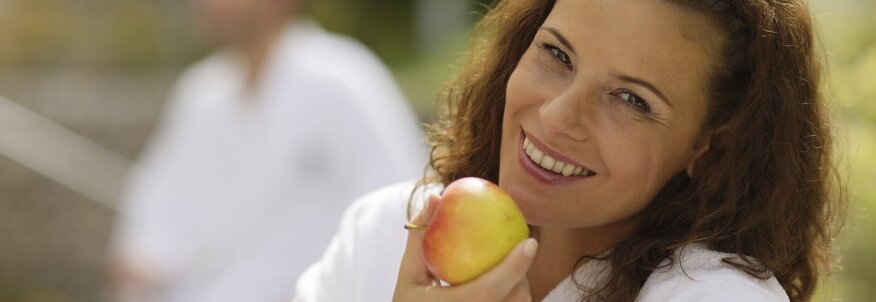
x,y
529,247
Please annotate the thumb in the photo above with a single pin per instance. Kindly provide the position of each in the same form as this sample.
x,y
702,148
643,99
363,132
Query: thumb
x,y
413,267
501,279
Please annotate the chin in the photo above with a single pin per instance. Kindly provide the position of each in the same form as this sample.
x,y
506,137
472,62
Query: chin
x,y
533,209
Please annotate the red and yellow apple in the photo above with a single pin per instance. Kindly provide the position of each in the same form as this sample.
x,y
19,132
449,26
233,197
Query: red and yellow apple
x,y
474,226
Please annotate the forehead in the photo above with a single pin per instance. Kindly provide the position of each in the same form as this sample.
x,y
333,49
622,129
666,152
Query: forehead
x,y
650,38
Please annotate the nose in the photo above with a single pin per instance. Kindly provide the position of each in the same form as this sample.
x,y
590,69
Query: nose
x,y
566,115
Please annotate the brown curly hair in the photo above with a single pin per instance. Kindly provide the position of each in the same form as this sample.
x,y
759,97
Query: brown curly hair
x,y
766,188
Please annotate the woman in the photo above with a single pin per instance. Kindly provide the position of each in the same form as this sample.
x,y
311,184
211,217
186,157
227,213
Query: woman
x,y
666,150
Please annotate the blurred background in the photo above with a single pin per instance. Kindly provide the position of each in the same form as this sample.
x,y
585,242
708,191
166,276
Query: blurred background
x,y
82,84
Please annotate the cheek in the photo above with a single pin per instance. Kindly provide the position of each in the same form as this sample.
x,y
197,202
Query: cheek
x,y
522,97
517,98
642,164
633,159
520,91
531,82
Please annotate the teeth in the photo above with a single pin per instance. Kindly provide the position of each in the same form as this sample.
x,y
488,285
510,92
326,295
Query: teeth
x,y
547,162
558,167
534,154
550,163
569,169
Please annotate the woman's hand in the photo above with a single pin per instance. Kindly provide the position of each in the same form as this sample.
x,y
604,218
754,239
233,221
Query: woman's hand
x,y
504,282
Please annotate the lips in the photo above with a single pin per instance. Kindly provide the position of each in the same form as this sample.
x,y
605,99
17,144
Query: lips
x,y
529,160
549,163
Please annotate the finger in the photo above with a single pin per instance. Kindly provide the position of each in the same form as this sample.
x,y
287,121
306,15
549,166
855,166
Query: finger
x,y
425,215
498,282
520,292
413,267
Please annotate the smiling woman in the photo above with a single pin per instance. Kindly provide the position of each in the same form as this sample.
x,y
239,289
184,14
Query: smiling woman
x,y
666,150
586,103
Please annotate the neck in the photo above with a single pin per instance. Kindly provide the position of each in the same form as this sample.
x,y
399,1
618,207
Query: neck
x,y
561,248
257,50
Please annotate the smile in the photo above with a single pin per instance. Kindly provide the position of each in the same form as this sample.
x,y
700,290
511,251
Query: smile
x,y
554,165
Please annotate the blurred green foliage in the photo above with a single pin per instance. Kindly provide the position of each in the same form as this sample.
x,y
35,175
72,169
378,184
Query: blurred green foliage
x,y
386,26
125,34
848,33
104,34
94,34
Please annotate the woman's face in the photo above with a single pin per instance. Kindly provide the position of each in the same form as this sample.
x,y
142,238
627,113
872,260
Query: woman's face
x,y
611,94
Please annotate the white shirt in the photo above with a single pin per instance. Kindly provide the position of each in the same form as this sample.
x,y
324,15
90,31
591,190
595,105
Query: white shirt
x,y
362,262
241,189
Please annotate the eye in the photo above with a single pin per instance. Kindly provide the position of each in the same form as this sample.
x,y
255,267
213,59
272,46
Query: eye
x,y
559,54
635,101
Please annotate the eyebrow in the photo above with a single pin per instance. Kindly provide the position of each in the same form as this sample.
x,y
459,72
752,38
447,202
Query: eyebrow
x,y
561,38
647,85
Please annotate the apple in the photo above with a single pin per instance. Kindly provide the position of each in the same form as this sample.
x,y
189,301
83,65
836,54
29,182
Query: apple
x,y
474,226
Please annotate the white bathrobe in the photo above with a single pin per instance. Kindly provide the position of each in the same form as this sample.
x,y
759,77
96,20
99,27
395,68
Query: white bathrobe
x,y
362,262
242,189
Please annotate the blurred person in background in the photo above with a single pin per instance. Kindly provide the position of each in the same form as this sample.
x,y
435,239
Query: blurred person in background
x,y
262,146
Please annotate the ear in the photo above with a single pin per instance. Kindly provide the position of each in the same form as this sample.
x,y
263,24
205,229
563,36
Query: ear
x,y
703,147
